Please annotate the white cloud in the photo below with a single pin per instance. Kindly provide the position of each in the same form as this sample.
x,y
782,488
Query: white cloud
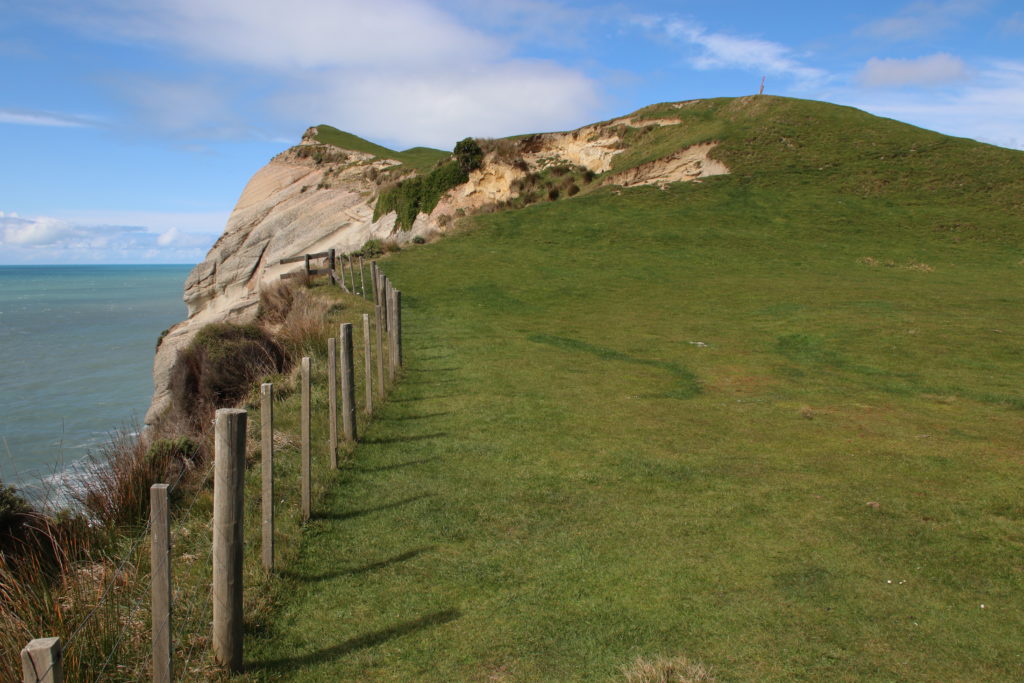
x,y
300,34
405,70
921,19
40,118
41,231
990,107
438,107
937,69
721,51
49,239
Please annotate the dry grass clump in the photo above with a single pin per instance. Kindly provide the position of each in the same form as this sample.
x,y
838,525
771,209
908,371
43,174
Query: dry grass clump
x,y
664,670
275,301
78,573
874,263
304,326
115,494
504,150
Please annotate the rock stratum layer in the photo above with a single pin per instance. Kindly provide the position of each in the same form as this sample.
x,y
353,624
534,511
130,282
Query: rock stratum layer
x,y
317,196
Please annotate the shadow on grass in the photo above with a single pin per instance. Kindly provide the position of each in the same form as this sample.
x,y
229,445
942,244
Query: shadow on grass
x,y
420,398
406,439
288,664
377,508
396,466
687,384
424,416
430,370
364,569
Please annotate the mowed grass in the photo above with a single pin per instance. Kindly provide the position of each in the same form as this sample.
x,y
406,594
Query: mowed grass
x,y
709,422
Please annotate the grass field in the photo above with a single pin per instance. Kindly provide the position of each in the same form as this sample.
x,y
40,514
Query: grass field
x,y
766,423
420,158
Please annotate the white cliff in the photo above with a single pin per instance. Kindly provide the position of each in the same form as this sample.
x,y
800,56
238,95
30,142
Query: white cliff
x,y
316,197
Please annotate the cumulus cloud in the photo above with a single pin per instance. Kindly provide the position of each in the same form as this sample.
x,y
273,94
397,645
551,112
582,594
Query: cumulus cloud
x,y
408,64
302,34
937,69
430,107
48,239
38,232
726,51
921,19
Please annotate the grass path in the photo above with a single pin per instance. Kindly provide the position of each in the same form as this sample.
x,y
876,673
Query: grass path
x,y
662,425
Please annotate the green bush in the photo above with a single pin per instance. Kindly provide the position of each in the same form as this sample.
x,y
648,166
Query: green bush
x,y
13,510
419,239
468,154
372,249
217,369
420,194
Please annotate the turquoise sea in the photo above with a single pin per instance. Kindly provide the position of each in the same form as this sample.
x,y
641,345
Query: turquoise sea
x,y
76,358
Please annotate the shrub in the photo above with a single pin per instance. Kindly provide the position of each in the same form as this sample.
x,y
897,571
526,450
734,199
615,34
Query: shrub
x,y
468,154
14,512
553,194
573,190
217,368
419,239
392,246
420,194
372,249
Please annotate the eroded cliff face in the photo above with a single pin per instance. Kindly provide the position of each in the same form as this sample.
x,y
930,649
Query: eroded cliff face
x,y
316,197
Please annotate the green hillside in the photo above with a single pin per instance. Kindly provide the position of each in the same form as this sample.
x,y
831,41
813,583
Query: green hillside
x,y
420,158
770,422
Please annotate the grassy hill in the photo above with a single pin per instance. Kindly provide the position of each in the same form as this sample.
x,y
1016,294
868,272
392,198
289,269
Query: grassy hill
x,y
420,158
770,422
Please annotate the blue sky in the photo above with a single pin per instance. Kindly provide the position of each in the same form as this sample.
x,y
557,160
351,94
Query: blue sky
x,y
129,128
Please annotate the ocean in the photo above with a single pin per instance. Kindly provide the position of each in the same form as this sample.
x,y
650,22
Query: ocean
x,y
76,358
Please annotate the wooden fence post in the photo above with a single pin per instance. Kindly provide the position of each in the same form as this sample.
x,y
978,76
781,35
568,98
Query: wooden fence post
x,y
42,661
267,474
228,487
385,302
374,280
330,264
352,272
348,384
397,297
305,261
392,330
379,320
367,362
332,400
160,582
362,278
305,467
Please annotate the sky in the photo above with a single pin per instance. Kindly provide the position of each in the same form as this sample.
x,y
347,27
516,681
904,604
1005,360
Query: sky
x,y
128,128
